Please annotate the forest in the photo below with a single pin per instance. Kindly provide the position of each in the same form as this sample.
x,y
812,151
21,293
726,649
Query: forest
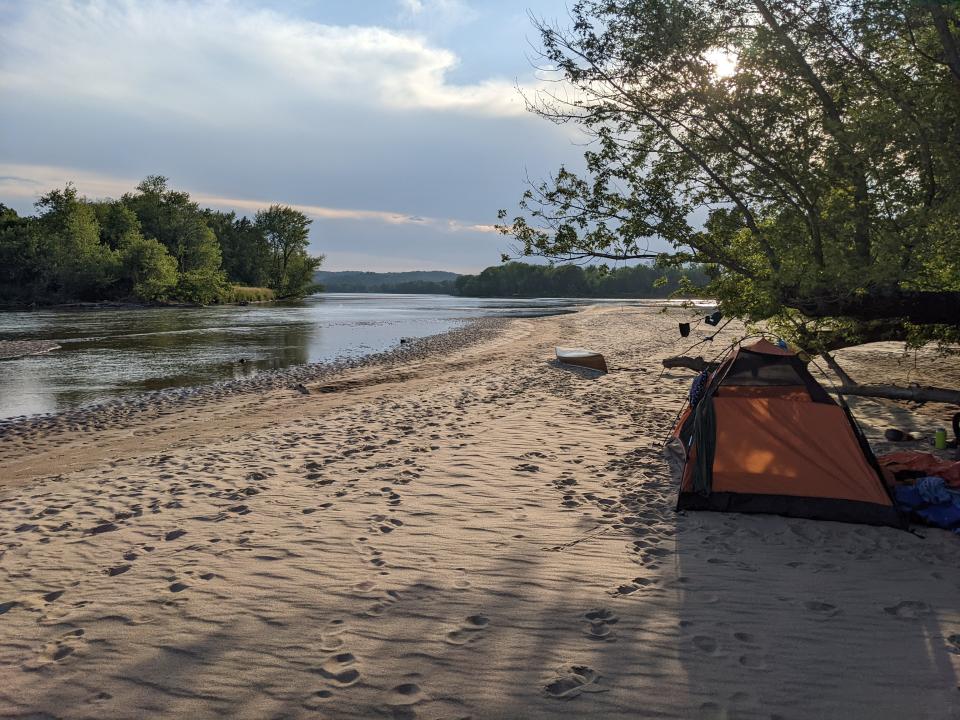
x,y
526,280
517,279
153,245
436,282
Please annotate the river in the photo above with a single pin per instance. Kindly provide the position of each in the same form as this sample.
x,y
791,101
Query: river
x,y
107,354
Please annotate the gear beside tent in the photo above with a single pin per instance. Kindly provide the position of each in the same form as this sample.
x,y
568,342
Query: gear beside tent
x,y
762,436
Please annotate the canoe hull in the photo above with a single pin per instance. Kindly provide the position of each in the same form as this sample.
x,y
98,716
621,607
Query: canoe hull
x,y
582,358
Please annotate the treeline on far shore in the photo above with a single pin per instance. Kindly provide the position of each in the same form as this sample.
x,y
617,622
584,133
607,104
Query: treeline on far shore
x,y
517,279
152,245
526,280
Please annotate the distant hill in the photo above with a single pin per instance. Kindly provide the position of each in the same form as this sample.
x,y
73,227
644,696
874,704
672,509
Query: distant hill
x,y
416,281
515,279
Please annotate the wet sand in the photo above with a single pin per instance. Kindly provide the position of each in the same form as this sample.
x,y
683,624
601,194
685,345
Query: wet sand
x,y
466,530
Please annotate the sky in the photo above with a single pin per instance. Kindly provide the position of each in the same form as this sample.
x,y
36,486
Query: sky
x,y
399,126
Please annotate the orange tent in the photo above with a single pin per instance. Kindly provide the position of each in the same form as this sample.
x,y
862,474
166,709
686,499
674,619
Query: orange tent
x,y
764,437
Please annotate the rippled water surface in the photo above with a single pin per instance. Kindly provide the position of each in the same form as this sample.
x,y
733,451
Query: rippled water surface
x,y
111,353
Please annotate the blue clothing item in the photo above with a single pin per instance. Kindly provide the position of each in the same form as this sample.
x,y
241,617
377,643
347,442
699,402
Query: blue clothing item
x,y
908,497
933,490
941,516
696,389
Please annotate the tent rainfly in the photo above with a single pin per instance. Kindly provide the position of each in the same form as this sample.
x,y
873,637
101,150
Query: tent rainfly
x,y
762,436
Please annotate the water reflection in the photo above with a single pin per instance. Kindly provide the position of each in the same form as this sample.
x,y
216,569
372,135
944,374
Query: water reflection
x,y
115,353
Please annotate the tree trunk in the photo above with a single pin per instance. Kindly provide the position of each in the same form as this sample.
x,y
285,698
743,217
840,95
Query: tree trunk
x,y
832,364
917,306
891,392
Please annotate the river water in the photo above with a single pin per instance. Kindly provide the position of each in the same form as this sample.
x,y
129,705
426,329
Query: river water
x,y
107,354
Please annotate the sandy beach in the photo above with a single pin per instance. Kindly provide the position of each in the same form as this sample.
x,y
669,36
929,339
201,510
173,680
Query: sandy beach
x,y
464,530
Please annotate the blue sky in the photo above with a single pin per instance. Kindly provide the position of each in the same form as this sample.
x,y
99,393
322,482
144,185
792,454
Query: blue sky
x,y
396,124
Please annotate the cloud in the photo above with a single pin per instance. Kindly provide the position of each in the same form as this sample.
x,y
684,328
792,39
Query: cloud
x,y
412,7
223,62
350,238
379,134
30,181
436,16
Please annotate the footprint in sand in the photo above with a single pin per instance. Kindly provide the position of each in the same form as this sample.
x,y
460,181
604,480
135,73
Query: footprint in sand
x,y
526,467
58,650
99,698
534,454
468,631
573,680
405,694
330,643
638,583
711,711
378,609
391,525
598,624
317,700
102,528
460,582
330,640
340,669
705,644
822,609
909,610
393,497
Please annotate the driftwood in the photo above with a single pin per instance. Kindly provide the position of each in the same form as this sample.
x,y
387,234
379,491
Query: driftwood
x,y
888,392
892,392
697,364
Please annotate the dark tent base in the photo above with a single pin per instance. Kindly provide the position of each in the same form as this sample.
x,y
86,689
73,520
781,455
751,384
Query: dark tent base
x,y
851,511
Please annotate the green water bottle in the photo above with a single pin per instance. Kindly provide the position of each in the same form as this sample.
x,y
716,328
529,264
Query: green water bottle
x,y
940,439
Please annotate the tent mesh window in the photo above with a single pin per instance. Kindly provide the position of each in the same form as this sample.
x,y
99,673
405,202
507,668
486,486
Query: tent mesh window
x,y
752,369
756,370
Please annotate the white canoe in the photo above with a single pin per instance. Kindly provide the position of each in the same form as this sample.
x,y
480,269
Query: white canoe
x,y
582,358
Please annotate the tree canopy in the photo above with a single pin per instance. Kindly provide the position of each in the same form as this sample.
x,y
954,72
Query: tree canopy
x,y
153,245
526,280
808,152
286,234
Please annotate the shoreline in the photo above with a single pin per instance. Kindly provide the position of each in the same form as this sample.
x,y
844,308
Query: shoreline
x,y
271,378
471,332
472,532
